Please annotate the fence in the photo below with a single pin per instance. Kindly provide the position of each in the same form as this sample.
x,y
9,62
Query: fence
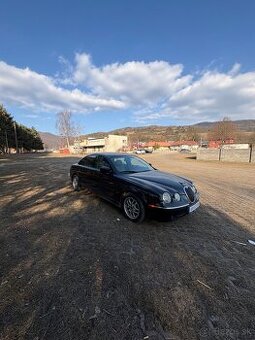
x,y
227,155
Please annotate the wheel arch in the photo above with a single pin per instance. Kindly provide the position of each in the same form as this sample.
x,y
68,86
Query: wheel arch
x,y
135,192
72,174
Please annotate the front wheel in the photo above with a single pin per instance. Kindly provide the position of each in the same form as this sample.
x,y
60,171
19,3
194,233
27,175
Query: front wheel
x,y
76,183
134,208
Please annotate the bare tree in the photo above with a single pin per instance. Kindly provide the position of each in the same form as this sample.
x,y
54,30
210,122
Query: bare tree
x,y
65,125
192,134
77,131
224,130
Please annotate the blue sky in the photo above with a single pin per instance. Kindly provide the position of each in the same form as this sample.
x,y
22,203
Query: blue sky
x,y
127,63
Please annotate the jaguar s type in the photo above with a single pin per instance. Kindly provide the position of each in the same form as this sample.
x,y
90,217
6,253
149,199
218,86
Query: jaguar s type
x,y
134,185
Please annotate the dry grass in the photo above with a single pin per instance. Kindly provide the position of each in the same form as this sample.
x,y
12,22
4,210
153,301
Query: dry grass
x,y
72,267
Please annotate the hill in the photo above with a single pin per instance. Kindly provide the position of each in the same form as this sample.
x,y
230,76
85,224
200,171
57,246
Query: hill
x,y
50,140
247,125
53,142
163,133
157,133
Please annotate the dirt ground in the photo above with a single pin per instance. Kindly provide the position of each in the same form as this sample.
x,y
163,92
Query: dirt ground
x,y
72,267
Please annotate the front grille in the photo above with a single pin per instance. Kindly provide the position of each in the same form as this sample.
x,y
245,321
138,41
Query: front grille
x,y
190,193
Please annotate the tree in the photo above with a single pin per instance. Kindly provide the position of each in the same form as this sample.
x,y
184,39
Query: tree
x,y
37,143
27,139
223,131
7,139
66,126
192,134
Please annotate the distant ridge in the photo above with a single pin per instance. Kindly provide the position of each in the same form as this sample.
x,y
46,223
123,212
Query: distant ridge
x,y
247,125
50,140
152,132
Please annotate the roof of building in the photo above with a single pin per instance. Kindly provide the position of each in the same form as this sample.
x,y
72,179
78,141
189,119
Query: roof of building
x,y
160,144
184,142
170,143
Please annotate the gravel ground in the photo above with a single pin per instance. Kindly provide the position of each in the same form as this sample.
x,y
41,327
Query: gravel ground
x,y
72,267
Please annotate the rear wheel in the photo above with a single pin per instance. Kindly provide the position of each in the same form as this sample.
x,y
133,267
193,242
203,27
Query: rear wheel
x,y
76,183
133,208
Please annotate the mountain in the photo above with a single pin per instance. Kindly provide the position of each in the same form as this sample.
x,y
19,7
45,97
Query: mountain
x,y
247,125
53,142
50,140
163,133
156,133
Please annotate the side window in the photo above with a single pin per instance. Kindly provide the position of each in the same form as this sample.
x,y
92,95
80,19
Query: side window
x,y
81,162
101,161
120,163
89,161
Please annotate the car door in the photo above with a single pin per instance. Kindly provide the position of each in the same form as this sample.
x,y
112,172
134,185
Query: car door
x,y
106,182
87,171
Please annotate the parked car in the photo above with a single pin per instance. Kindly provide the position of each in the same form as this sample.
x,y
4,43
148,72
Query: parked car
x,y
148,150
185,151
134,185
140,151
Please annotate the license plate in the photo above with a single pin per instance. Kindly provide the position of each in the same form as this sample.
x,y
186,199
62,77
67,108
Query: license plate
x,y
194,207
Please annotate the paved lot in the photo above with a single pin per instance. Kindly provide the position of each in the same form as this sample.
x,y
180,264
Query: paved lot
x,y
72,267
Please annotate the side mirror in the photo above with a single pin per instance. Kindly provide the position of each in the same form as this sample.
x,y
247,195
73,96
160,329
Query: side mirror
x,y
106,170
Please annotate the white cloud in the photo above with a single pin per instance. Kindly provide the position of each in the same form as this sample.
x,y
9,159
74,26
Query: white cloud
x,y
235,69
217,94
151,90
27,88
211,97
159,89
136,83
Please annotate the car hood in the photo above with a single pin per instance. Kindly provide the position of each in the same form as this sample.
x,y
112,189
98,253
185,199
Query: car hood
x,y
158,180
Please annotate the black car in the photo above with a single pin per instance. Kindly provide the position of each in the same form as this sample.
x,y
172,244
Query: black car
x,y
134,185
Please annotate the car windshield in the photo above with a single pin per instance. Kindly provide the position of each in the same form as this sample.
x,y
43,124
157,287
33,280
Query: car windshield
x,y
130,164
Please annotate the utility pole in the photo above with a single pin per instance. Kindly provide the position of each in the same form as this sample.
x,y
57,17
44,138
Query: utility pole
x,y
16,138
6,141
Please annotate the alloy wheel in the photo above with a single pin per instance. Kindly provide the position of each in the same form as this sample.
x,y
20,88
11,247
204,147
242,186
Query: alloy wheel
x,y
132,208
75,183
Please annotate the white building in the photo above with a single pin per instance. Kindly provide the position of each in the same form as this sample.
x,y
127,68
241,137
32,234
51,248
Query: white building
x,y
111,143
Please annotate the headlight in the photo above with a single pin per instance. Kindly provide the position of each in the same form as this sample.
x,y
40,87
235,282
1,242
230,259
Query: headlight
x,y
166,197
177,197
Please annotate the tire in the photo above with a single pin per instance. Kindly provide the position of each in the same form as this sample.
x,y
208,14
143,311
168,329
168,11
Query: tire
x,y
133,208
76,183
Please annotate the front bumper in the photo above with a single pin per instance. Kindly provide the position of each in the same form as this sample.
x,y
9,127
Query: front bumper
x,y
176,209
